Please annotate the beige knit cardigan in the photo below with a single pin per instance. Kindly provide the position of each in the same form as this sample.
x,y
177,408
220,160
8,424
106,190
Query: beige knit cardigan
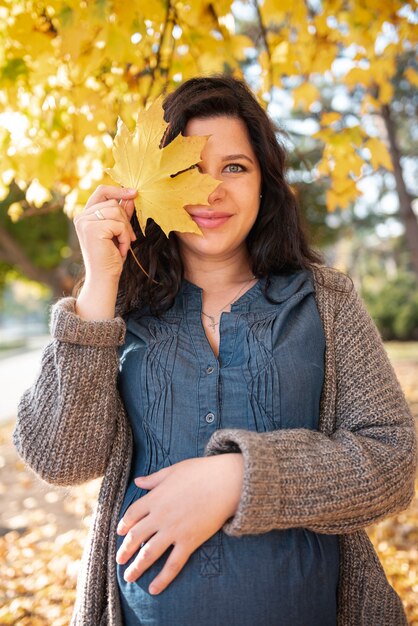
x,y
357,469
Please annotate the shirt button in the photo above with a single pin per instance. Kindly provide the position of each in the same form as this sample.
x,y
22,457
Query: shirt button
x,y
209,418
209,369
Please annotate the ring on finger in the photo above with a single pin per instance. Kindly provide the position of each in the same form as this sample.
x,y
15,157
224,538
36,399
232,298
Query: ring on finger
x,y
99,215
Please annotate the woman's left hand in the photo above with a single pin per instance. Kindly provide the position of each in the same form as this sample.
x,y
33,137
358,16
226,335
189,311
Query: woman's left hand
x,y
187,503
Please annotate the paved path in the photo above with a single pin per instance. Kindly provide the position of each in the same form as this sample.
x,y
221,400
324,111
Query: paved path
x,y
17,372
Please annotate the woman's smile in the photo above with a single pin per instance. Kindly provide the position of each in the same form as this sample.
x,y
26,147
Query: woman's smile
x,y
210,219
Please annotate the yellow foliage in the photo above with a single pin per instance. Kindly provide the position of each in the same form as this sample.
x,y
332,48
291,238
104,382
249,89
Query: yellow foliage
x,y
323,56
305,95
369,104
280,53
238,46
4,191
28,35
162,177
379,154
412,76
358,76
341,200
274,11
36,194
75,201
327,119
15,211
385,92
73,67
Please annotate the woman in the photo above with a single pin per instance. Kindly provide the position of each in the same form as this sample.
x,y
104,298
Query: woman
x,y
268,426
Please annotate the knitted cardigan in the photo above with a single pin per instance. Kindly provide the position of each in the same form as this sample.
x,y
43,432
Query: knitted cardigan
x,y
358,468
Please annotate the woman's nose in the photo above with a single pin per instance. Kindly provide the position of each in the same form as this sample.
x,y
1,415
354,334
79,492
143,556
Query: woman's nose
x,y
217,194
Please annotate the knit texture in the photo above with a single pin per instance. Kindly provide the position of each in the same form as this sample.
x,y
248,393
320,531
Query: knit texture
x,y
357,469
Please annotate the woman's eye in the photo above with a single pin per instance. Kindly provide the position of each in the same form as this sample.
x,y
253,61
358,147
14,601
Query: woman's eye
x,y
235,167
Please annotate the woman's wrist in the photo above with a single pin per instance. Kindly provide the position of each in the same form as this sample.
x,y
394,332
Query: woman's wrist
x,y
234,476
97,299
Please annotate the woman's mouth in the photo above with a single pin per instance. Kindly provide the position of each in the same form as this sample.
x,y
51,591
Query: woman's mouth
x,y
210,219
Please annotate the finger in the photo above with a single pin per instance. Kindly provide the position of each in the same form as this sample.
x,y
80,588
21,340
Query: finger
x,y
152,480
124,247
136,537
110,192
108,204
147,555
108,211
125,213
124,241
128,206
176,561
117,212
133,514
119,232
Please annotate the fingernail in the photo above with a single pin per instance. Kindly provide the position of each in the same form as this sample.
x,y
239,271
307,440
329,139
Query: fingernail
x,y
131,190
153,589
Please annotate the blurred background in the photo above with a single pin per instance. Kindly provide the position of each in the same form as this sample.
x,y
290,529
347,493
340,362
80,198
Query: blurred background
x,y
339,79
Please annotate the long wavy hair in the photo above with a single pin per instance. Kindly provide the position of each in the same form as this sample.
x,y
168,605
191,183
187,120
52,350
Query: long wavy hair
x,y
276,243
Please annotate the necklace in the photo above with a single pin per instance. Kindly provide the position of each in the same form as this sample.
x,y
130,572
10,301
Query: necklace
x,y
212,323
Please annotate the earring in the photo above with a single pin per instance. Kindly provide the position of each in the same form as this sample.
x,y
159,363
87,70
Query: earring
x,y
261,195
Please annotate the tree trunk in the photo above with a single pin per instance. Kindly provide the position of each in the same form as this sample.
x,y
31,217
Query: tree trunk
x,y
407,214
59,280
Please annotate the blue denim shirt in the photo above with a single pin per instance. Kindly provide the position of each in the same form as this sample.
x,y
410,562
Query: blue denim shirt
x,y
269,375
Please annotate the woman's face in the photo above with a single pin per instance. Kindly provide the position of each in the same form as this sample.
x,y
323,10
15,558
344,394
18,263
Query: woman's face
x,y
233,207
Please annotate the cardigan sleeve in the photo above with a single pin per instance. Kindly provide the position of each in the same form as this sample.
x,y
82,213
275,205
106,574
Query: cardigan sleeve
x,y
339,483
67,420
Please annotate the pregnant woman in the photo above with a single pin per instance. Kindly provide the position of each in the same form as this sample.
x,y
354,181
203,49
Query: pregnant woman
x,y
236,399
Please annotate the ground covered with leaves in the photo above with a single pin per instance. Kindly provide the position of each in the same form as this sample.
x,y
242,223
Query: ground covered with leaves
x,y
43,529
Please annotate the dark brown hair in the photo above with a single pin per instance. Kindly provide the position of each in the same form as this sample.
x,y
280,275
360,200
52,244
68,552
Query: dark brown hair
x,y
276,242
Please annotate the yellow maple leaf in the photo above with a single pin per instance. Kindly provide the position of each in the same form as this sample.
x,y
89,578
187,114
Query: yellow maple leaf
x,y
162,177
379,154
342,197
305,95
280,52
412,76
329,118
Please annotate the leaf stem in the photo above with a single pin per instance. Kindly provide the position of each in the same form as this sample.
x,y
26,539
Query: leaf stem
x,y
140,266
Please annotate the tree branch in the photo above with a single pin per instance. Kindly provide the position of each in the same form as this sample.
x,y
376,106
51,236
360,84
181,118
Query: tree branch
x,y
11,253
166,33
263,33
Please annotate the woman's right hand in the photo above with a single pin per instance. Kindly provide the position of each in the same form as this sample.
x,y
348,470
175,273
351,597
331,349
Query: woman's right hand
x,y
104,231
105,235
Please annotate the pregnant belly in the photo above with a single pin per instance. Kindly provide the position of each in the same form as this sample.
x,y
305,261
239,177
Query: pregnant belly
x,y
280,578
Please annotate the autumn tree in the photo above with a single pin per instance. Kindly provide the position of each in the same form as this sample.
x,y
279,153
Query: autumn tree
x,y
69,68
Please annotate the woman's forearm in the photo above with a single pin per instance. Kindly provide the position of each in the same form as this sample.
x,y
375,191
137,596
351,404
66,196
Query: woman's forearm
x,y
74,403
97,299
